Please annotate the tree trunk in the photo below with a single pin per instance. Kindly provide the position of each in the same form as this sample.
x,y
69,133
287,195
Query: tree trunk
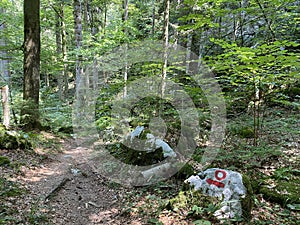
x,y
64,53
61,49
125,18
166,43
4,79
188,52
78,40
153,19
58,39
5,106
31,87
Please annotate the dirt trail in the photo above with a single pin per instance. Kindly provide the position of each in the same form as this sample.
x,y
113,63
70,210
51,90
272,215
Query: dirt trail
x,y
71,192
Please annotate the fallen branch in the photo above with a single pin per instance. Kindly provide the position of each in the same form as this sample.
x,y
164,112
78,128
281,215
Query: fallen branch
x,y
56,189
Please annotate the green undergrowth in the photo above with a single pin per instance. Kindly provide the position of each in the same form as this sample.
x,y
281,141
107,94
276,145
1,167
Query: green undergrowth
x,y
283,187
8,189
10,139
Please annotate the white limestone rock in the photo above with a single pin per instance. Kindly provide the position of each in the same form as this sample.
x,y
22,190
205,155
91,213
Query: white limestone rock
x,y
227,185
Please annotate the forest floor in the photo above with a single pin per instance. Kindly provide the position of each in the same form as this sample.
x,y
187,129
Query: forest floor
x,y
56,184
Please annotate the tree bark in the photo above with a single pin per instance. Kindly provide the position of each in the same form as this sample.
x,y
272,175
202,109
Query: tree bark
x,y
31,86
188,51
78,39
61,49
58,39
166,43
4,76
125,18
5,106
153,19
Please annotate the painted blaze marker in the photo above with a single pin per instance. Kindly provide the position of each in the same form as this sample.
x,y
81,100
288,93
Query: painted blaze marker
x,y
219,175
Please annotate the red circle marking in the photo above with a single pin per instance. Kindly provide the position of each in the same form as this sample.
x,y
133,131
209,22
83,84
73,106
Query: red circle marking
x,y
217,174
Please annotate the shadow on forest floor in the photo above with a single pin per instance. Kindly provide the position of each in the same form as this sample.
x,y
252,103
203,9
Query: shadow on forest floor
x,y
61,187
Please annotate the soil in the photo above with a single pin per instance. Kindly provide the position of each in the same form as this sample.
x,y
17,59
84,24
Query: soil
x,y
65,188
62,187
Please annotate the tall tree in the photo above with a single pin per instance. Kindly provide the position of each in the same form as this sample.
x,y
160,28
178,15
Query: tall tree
x,y
78,38
61,48
31,86
166,43
125,18
4,75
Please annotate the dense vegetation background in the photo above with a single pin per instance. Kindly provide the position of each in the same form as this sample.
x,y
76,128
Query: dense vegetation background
x,y
251,46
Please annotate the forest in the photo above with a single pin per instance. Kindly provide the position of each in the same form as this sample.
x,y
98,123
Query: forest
x,y
150,112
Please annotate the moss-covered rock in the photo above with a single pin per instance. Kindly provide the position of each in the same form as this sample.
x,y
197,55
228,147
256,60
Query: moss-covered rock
x,y
243,131
233,190
247,201
185,171
283,187
282,191
12,139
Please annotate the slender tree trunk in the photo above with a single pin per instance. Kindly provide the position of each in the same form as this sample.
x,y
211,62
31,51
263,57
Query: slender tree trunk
x,y
31,87
61,49
4,74
153,19
166,43
125,18
86,15
201,48
64,54
78,39
58,40
105,18
5,106
188,52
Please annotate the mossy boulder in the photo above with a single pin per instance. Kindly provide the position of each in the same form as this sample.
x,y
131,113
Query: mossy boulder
x,y
282,192
233,190
13,139
243,131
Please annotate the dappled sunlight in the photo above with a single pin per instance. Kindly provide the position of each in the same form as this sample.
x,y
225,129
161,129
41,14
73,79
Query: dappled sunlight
x,y
40,173
104,217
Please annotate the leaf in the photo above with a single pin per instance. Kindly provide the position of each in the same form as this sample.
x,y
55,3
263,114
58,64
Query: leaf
x,y
295,207
202,222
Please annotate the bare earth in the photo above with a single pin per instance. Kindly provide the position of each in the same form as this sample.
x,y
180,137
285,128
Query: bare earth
x,y
66,188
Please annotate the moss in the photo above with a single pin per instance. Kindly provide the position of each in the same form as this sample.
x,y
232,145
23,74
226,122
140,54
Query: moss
x,y
186,171
186,200
243,131
13,140
4,161
134,157
285,192
247,202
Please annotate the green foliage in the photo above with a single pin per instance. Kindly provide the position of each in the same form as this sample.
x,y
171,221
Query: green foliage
x,y
281,191
197,204
14,139
264,69
4,161
133,156
247,201
202,222
9,188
